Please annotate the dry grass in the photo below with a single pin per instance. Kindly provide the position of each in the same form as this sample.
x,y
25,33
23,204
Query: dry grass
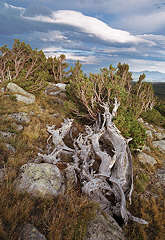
x,y
71,222
148,202
64,218
151,209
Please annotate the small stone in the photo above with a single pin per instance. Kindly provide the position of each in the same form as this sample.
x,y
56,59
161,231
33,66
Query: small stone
x,y
55,89
160,135
55,115
6,134
29,232
2,175
146,148
10,147
161,175
141,120
19,127
160,145
20,117
104,228
145,158
149,133
61,86
2,90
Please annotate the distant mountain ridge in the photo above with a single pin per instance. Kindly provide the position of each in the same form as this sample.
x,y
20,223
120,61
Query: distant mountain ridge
x,y
151,76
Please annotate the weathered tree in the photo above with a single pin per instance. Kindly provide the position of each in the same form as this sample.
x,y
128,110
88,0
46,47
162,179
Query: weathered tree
x,y
4,63
56,67
101,160
143,97
23,65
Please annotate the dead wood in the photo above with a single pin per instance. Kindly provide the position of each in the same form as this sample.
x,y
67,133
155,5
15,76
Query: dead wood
x,y
111,183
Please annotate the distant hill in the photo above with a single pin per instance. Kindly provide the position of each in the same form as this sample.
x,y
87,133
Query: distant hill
x,y
151,76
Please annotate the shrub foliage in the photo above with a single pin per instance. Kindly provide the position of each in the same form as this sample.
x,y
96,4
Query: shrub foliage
x,y
87,94
30,69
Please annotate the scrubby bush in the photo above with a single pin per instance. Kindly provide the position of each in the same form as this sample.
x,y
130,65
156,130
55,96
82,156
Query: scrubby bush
x,y
154,117
131,128
161,107
87,94
29,68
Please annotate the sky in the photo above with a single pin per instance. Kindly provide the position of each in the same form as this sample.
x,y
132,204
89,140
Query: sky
x,y
96,32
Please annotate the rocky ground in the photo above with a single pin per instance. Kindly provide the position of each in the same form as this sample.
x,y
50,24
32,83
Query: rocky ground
x,y
23,134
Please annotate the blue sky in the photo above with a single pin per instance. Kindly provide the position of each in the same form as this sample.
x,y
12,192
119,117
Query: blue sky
x,y
96,32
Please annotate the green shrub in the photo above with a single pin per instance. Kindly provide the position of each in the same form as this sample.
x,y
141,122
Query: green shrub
x,y
154,117
161,108
131,128
86,95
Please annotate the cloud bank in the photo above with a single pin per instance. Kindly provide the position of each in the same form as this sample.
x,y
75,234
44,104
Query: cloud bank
x,y
89,25
98,33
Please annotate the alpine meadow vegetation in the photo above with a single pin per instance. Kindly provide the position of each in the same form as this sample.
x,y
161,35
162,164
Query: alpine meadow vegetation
x,y
67,218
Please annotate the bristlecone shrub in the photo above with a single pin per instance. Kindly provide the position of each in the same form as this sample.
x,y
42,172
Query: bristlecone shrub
x,y
87,94
29,68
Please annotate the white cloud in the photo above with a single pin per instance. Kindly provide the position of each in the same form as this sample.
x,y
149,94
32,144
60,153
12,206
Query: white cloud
x,y
53,36
147,22
52,49
120,50
89,25
11,6
158,39
70,55
138,65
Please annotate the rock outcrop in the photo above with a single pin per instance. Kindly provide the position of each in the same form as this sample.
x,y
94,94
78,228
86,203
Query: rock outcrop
x,y
40,180
20,94
6,134
160,145
21,117
29,232
104,227
145,158
55,89
161,175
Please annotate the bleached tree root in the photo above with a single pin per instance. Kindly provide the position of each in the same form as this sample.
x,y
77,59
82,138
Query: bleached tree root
x,y
111,182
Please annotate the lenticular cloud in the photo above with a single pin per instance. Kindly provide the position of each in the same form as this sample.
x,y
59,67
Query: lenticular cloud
x,y
89,25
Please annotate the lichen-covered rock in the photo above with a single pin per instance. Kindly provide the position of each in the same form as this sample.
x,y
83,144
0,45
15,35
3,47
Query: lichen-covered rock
x,y
29,232
160,145
160,135
6,134
21,117
55,89
145,158
2,175
149,134
18,127
153,132
61,86
10,148
146,148
20,94
161,175
40,180
103,227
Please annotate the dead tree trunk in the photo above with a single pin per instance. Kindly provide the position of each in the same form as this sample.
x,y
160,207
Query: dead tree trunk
x,y
102,145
